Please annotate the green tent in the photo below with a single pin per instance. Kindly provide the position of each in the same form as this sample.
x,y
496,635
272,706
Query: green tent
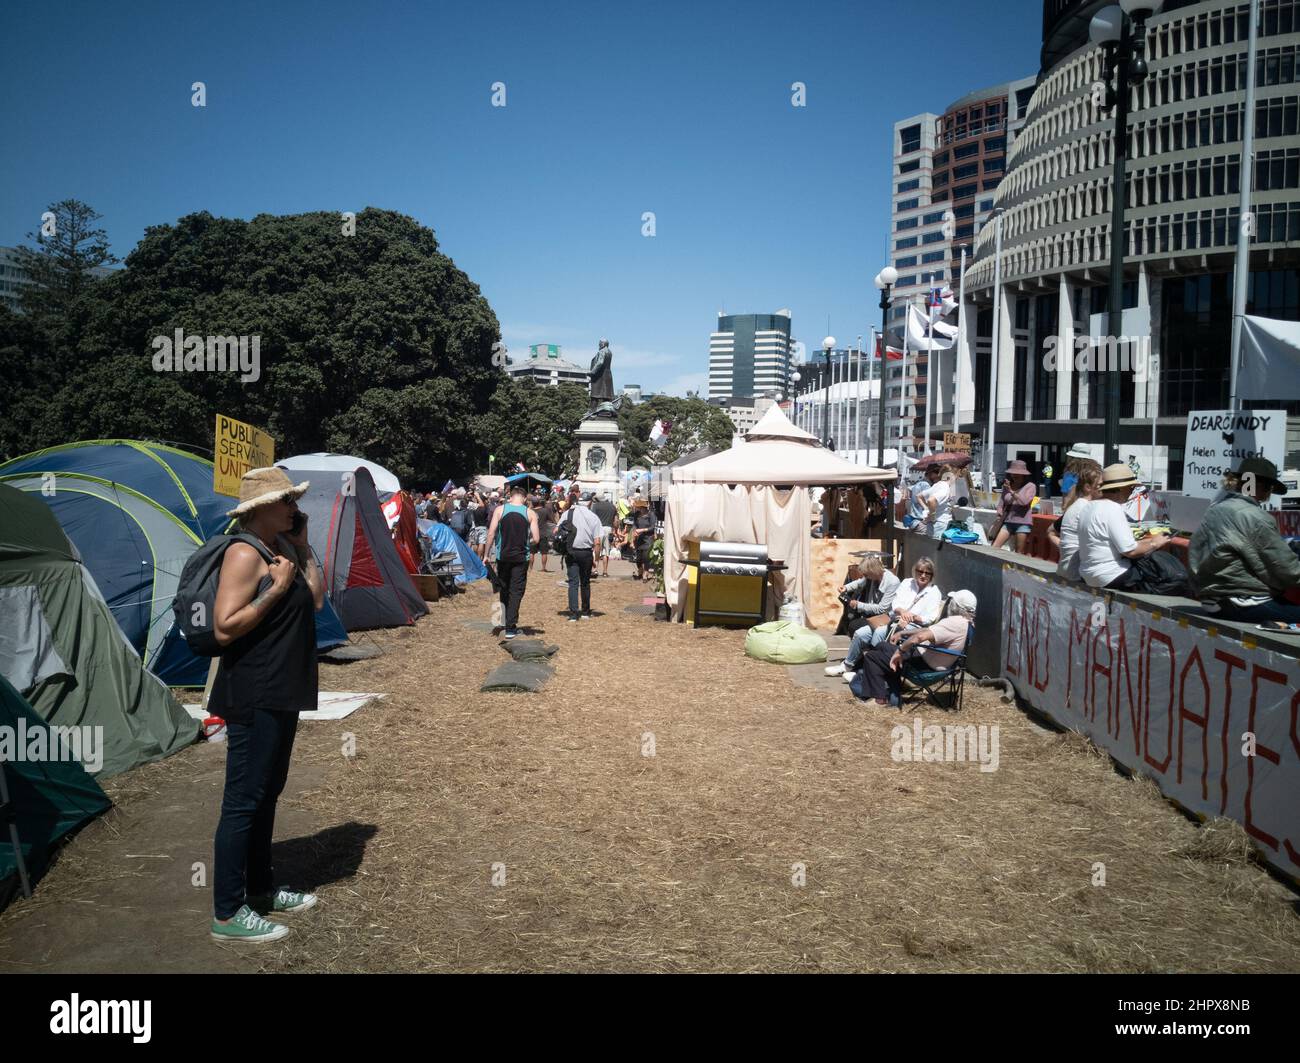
x,y
48,798
62,650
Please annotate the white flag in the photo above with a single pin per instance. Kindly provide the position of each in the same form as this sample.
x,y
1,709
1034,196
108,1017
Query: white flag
x,y
919,331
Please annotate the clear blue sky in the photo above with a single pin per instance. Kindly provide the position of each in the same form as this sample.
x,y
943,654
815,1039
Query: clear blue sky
x,y
613,109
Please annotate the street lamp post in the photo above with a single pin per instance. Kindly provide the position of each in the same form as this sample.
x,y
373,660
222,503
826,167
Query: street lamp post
x,y
885,281
1120,29
995,353
828,345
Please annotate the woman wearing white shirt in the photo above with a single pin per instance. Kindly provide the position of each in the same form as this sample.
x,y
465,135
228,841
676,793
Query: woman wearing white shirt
x,y
936,501
1065,534
917,602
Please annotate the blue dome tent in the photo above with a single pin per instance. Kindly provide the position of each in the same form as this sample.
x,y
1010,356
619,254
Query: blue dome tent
x,y
135,512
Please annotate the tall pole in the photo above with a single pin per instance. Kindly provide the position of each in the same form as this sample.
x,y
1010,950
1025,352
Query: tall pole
x,y
902,392
961,345
880,428
930,374
857,402
1118,191
826,382
1241,273
996,352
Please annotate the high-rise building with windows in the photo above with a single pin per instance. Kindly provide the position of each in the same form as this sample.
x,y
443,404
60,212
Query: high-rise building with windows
x,y
1184,173
953,161
14,278
749,356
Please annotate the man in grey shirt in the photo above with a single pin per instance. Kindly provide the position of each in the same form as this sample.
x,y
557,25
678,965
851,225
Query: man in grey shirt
x,y
586,534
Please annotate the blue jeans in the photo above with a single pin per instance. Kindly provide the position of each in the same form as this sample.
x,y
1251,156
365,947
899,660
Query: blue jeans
x,y
1277,609
257,764
863,639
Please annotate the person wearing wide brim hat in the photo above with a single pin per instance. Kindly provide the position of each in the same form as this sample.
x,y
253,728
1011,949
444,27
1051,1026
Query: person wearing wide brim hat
x,y
1242,564
1107,547
1013,519
264,618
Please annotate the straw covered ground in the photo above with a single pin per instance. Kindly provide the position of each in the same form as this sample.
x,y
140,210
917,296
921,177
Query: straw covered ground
x,y
515,832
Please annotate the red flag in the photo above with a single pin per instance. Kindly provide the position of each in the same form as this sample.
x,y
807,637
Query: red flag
x,y
892,353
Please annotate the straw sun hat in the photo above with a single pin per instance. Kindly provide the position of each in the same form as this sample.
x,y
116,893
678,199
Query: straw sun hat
x,y
260,487
1113,477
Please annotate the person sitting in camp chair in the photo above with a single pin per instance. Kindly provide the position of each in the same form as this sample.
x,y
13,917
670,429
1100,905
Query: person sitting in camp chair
x,y
927,656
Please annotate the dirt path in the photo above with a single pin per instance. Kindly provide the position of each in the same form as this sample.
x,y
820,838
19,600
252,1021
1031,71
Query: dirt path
x,y
665,804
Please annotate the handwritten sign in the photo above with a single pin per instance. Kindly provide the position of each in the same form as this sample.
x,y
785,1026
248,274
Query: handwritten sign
x,y
957,441
1218,440
240,447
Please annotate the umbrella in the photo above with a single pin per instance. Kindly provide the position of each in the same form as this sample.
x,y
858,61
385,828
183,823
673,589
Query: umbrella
x,y
529,479
949,457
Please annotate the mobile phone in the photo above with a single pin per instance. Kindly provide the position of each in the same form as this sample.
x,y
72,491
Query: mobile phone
x,y
299,520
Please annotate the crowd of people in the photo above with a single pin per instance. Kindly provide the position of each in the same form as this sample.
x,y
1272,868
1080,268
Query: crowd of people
x,y
510,531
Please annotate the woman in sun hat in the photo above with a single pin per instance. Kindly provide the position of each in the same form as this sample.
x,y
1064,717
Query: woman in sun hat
x,y
1107,549
1013,518
265,621
1242,564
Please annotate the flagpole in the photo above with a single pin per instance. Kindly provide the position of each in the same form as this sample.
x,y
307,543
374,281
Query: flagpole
x,y
929,364
857,403
961,345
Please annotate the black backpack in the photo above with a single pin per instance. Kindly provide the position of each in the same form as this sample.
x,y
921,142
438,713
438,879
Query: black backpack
x,y
194,606
564,532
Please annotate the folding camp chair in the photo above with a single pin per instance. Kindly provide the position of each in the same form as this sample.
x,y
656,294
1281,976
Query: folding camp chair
x,y
937,682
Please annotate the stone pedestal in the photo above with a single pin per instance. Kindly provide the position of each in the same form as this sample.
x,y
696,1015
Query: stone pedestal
x,y
599,447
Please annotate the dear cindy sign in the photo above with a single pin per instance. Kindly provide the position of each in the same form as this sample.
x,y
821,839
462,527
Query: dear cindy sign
x,y
1212,721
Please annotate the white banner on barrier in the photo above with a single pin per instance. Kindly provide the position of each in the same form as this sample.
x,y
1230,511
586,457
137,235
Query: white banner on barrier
x,y
1212,721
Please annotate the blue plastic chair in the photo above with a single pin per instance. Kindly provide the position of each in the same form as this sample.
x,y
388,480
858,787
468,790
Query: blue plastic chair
x,y
939,682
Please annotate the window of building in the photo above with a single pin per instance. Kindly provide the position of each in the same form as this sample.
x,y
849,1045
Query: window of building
x,y
966,210
995,165
906,223
976,113
965,232
931,219
908,204
1046,311
933,256
970,169
994,145
908,167
910,260
940,179
986,204
965,151
904,281
907,241
941,159
911,139
962,191
991,186
932,238
909,186
1022,101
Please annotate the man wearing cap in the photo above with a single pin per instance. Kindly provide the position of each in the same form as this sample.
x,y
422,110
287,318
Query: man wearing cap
x,y
580,555
265,621
1107,547
1241,562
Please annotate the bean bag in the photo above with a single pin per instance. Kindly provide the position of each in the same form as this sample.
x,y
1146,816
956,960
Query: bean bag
x,y
784,642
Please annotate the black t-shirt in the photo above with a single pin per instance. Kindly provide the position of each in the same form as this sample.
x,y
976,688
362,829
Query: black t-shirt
x,y
274,665
480,516
643,518
604,509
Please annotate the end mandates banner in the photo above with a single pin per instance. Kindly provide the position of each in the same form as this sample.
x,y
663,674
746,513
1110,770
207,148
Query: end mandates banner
x,y
1212,720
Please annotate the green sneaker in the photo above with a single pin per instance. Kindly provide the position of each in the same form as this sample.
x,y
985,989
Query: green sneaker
x,y
247,925
285,900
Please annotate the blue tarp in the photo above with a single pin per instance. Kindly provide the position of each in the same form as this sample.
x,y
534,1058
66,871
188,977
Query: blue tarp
x,y
444,539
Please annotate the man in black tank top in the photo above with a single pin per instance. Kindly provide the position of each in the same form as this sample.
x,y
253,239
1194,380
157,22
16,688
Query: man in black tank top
x,y
511,536
265,622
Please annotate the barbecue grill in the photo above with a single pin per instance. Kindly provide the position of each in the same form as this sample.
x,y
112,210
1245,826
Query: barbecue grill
x,y
733,575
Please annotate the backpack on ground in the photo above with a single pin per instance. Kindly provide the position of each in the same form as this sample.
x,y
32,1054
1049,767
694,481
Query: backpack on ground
x,y
194,607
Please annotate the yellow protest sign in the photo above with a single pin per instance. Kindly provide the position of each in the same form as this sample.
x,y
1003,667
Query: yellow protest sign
x,y
240,447
956,441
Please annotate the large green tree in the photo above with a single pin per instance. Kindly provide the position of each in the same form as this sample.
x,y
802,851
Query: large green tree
x,y
370,340
534,426
695,423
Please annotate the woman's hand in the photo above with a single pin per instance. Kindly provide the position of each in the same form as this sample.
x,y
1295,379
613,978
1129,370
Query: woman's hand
x,y
282,572
896,661
299,541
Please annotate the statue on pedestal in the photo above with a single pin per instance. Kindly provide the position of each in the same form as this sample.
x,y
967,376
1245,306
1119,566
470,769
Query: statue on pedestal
x,y
603,402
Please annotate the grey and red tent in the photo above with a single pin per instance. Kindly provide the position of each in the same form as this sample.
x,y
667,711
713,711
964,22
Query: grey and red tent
x,y
364,575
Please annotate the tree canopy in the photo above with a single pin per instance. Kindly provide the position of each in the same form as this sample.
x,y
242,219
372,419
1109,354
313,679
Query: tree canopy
x,y
695,423
373,342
